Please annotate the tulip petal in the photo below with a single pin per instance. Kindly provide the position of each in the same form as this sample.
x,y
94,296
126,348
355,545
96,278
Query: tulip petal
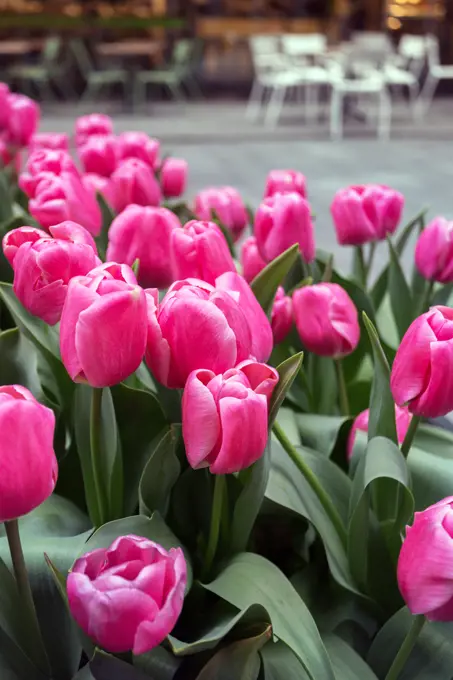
x,y
200,420
437,397
78,298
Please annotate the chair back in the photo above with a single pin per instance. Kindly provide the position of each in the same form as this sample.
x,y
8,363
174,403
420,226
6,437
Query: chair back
x,y
412,46
51,51
81,56
304,44
432,50
264,45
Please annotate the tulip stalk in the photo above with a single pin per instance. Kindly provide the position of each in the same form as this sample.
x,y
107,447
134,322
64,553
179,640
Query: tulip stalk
x,y
410,434
342,391
216,519
95,445
406,648
426,298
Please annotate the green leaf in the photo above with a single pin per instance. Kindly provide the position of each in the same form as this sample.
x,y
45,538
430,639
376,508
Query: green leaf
x,y
108,215
160,473
105,667
239,660
400,294
226,233
251,579
19,362
323,381
358,265
6,199
347,664
320,432
271,277
431,464
159,663
280,663
287,372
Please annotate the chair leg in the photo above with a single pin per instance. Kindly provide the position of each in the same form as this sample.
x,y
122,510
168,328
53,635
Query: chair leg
x,y
176,92
385,115
91,89
426,95
139,93
193,87
274,108
253,109
336,115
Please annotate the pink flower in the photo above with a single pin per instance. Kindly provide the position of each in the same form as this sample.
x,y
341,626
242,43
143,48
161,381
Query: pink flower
x,y
366,212
285,181
45,164
224,203
93,124
424,564
139,145
403,419
421,376
134,182
199,250
173,177
225,417
282,315
28,466
251,260
326,319
6,152
23,119
100,185
99,154
128,596
144,233
52,141
281,221
434,251
13,240
103,326
4,109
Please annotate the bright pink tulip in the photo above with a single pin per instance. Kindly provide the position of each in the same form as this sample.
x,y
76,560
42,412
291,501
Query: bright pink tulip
x,y
99,154
281,221
366,212
195,326
100,185
326,319
28,466
199,250
103,326
282,316
6,152
434,251
225,417
4,108
93,124
23,119
52,141
74,233
64,197
134,182
14,239
139,145
402,417
173,177
129,596
43,164
421,376
251,260
285,181
424,564
224,203
144,233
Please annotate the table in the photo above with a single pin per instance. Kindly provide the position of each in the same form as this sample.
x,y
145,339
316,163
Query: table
x,y
129,48
19,47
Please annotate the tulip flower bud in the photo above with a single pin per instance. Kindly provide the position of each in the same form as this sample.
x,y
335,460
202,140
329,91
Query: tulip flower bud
x,y
224,203
173,177
251,260
434,251
424,564
285,181
99,154
326,319
134,182
93,124
144,233
96,184
215,408
420,375
281,221
103,326
4,109
282,315
23,119
28,466
366,213
199,250
129,596
139,145
74,233
6,152
402,417
49,141
42,164
13,240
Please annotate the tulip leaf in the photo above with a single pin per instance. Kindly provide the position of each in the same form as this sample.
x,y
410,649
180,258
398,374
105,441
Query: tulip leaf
x,y
431,465
160,473
400,294
280,663
322,432
287,372
6,199
347,664
158,663
265,284
108,215
19,361
106,667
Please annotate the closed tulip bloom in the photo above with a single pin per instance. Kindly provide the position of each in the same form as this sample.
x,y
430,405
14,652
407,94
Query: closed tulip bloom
x,y
99,154
365,213
216,408
281,221
402,417
28,466
103,326
74,233
14,239
173,177
434,251
4,109
129,596
285,181
134,182
8,154
97,184
199,250
144,233
42,164
224,203
23,119
139,145
282,315
424,564
326,319
94,124
421,377
51,141
251,260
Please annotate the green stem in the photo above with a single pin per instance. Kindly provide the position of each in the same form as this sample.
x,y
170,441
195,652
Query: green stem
x,y
313,481
216,517
342,391
410,434
369,263
95,445
426,298
359,265
406,648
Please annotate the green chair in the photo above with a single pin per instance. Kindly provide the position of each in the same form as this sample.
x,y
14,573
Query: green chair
x,y
50,70
96,79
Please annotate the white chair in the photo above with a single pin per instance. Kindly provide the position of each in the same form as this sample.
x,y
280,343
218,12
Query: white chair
x,y
411,54
436,72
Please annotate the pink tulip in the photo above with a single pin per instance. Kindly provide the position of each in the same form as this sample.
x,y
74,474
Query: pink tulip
x,y
64,197
285,181
51,141
74,233
281,221
424,564
144,233
421,376
326,319
224,203
199,250
251,260
103,326
23,119
129,596
93,124
4,109
225,417
366,212
97,184
99,154
139,145
44,164
402,417
173,177
28,466
6,152
195,326
282,316
434,251
14,239
134,182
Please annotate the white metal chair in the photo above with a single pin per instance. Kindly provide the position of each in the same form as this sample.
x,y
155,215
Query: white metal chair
x,y
436,72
